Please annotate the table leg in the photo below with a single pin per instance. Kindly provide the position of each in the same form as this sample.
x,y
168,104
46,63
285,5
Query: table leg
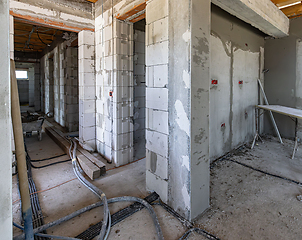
x,y
296,139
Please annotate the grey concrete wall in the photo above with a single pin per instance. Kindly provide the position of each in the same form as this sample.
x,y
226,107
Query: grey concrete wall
x,y
139,69
5,127
23,89
235,56
282,82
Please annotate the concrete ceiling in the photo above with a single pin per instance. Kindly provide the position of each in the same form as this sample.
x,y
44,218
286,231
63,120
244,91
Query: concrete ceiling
x,y
291,8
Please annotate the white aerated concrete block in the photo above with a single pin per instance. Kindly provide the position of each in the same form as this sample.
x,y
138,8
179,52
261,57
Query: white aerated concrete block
x,y
122,125
157,142
123,30
122,157
157,121
86,52
123,62
122,141
88,120
157,164
100,134
122,46
86,65
86,79
123,110
88,133
156,9
122,94
160,31
150,76
123,79
158,185
157,54
157,98
86,38
160,76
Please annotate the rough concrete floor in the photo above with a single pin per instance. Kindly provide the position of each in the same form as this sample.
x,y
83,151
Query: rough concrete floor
x,y
245,204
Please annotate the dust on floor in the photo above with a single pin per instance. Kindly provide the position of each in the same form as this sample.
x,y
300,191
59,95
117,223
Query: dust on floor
x,y
245,204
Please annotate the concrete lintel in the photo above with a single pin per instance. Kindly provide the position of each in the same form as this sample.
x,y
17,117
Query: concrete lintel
x,y
50,17
263,15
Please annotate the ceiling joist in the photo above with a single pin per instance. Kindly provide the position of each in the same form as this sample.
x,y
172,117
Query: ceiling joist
x,y
293,11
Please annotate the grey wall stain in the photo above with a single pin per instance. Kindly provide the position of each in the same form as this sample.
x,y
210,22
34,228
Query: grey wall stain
x,y
198,138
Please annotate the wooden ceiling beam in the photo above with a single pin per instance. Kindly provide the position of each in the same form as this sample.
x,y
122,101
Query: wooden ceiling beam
x,y
281,3
293,11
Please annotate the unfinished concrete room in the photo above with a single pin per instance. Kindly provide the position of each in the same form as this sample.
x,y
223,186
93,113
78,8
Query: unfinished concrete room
x,y
151,119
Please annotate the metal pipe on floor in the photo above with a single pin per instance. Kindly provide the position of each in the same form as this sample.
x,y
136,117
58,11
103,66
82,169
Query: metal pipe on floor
x,y
20,155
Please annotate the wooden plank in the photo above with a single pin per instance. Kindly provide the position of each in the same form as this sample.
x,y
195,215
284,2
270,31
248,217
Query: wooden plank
x,y
281,3
93,1
133,11
91,170
138,18
288,111
293,11
93,159
62,143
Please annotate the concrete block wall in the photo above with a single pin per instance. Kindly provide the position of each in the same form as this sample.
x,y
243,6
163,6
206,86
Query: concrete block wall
x,y
157,122
62,82
114,89
37,85
87,90
45,83
31,86
72,89
56,87
50,75
139,116
42,83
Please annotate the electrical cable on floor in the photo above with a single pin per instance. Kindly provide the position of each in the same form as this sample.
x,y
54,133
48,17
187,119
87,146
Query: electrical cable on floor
x,y
186,223
50,158
38,219
105,227
51,164
261,171
200,232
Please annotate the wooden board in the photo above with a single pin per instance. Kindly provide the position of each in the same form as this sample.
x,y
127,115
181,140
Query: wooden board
x,y
93,159
91,170
292,112
92,166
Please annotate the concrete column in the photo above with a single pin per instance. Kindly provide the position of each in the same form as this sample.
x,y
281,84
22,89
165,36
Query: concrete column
x,y
87,129
11,36
185,146
114,89
5,125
